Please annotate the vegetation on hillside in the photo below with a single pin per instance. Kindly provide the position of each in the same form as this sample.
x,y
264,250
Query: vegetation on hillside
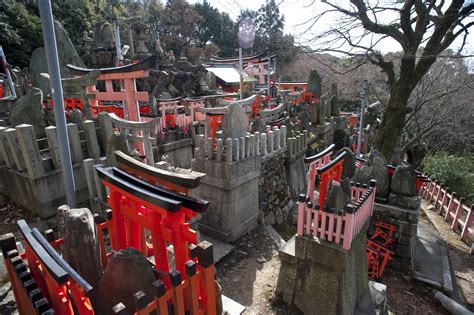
x,y
453,171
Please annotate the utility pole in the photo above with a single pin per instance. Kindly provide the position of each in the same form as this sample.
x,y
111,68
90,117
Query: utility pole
x,y
363,95
241,70
57,91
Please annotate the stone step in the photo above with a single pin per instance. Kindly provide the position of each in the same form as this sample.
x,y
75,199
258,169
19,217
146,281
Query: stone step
x,y
431,263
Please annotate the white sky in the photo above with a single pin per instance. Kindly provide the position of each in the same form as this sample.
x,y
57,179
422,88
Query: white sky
x,y
297,12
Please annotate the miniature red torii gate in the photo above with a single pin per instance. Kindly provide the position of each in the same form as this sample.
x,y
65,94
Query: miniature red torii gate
x,y
128,94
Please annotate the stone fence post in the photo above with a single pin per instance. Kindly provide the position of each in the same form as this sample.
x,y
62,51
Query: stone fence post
x,y
219,150
209,148
53,144
93,148
4,157
283,135
264,144
18,159
228,150
270,142
257,143
74,143
235,142
29,148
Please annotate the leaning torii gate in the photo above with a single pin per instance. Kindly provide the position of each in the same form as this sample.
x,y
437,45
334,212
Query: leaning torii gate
x,y
128,95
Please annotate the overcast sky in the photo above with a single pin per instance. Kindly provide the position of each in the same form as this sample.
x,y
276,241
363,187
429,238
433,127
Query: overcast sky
x,y
297,12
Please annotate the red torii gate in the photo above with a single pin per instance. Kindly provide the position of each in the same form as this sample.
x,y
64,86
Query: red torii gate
x,y
128,94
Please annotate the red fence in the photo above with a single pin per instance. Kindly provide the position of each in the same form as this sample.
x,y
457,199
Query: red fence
x,y
451,208
341,227
322,222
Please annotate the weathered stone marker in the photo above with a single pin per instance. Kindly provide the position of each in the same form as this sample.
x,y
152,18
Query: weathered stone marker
x,y
127,272
81,248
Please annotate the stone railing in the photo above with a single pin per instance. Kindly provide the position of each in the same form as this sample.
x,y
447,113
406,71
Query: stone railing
x,y
30,168
232,150
297,145
20,150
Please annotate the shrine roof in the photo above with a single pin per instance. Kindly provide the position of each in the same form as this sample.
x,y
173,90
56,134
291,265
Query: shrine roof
x,y
260,56
145,64
229,74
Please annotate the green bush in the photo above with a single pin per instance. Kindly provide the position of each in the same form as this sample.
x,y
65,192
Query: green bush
x,y
453,171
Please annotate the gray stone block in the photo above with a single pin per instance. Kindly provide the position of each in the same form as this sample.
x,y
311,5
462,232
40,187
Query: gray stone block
x,y
405,202
318,275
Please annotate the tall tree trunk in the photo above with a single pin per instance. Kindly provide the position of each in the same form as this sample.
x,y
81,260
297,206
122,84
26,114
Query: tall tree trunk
x,y
390,130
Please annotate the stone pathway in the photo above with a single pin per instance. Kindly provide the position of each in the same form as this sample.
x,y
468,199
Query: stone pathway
x,y
431,264
462,263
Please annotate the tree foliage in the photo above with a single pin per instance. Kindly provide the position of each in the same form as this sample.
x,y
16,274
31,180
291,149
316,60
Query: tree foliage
x,y
423,29
454,171
20,25
20,32
217,28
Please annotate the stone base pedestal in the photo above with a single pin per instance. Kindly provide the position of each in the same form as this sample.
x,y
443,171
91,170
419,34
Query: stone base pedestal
x,y
42,195
406,221
320,278
232,190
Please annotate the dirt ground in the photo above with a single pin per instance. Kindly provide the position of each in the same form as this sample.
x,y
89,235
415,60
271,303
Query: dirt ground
x,y
249,276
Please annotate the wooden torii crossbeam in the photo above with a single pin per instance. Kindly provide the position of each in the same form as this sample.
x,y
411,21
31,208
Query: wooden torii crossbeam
x,y
128,94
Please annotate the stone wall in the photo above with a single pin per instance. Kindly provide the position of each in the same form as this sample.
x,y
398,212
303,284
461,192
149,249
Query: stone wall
x,y
273,189
406,221
30,168
180,153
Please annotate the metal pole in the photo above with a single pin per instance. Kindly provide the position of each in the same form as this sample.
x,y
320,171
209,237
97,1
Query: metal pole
x,y
57,91
241,70
363,95
268,78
